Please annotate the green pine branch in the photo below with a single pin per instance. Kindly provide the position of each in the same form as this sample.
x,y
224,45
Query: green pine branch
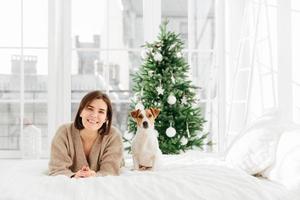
x,y
164,66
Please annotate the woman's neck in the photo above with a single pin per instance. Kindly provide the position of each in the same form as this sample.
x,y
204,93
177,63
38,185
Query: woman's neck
x,y
88,135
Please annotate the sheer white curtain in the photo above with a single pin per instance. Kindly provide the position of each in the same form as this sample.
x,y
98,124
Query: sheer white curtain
x,y
259,70
59,95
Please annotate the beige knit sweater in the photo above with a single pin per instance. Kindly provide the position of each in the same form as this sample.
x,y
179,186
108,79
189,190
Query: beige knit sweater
x,y
67,154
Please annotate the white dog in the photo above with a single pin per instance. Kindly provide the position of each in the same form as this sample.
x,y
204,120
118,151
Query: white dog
x,y
145,149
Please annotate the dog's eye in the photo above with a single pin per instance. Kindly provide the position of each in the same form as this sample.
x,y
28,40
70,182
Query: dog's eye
x,y
140,116
149,115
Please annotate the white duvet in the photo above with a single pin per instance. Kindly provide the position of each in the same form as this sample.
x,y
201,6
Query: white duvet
x,y
188,176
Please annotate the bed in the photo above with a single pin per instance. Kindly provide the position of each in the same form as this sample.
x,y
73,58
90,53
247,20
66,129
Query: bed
x,y
268,148
192,175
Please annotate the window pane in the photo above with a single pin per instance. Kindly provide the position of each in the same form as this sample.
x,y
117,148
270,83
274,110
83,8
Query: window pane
x,y
176,12
37,115
10,23
201,69
268,90
9,74
122,64
88,22
74,108
10,126
35,72
113,23
296,107
295,4
203,76
295,46
120,115
296,61
88,73
35,23
202,24
125,24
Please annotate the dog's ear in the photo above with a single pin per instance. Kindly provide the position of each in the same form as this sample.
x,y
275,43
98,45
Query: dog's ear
x,y
135,113
155,112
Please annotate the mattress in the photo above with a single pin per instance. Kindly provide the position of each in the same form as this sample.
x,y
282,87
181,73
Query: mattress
x,y
187,176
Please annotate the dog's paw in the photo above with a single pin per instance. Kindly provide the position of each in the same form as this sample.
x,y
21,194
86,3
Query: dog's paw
x,y
144,168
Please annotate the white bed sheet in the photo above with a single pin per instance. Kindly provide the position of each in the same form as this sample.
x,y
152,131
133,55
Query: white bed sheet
x,y
187,176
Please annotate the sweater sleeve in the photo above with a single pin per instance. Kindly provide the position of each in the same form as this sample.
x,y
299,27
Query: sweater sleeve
x,y
60,161
112,158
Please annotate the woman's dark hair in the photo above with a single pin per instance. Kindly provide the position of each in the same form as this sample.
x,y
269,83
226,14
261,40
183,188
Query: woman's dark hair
x,y
88,98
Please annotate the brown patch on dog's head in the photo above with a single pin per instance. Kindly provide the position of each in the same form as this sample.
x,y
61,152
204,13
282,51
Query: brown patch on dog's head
x,y
134,114
146,117
155,112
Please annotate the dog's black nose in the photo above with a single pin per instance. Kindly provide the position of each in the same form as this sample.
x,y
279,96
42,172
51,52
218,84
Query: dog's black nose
x,y
145,124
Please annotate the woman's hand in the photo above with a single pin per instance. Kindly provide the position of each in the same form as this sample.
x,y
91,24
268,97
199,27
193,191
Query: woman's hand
x,y
88,172
85,172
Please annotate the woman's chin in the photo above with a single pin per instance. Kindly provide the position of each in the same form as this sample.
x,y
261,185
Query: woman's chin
x,y
92,127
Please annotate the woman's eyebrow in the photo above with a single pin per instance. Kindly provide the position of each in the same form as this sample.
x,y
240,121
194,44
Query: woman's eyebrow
x,y
100,109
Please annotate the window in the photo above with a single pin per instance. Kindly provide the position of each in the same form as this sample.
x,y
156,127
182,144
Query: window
x,y
252,63
106,39
295,20
53,56
23,72
195,21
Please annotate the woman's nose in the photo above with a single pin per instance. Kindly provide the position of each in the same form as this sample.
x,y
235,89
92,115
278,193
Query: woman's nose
x,y
94,114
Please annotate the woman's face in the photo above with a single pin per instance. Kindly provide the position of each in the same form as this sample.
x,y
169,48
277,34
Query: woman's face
x,y
94,115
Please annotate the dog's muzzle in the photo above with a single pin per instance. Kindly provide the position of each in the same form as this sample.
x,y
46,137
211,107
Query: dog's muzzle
x,y
145,124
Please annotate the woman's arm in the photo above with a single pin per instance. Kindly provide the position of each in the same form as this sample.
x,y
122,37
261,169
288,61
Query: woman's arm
x,y
60,160
112,158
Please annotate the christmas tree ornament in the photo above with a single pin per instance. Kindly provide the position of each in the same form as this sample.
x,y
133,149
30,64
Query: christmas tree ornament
x,y
157,57
179,55
183,141
158,45
150,73
171,99
199,134
135,97
172,46
139,106
144,54
173,79
159,89
184,100
171,132
187,130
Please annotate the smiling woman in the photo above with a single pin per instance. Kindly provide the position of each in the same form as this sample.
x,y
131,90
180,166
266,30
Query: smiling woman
x,y
89,146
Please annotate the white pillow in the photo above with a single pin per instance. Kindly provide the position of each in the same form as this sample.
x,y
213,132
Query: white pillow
x,y
255,150
269,119
286,169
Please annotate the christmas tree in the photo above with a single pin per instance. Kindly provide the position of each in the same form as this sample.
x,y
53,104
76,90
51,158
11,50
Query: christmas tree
x,y
162,82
